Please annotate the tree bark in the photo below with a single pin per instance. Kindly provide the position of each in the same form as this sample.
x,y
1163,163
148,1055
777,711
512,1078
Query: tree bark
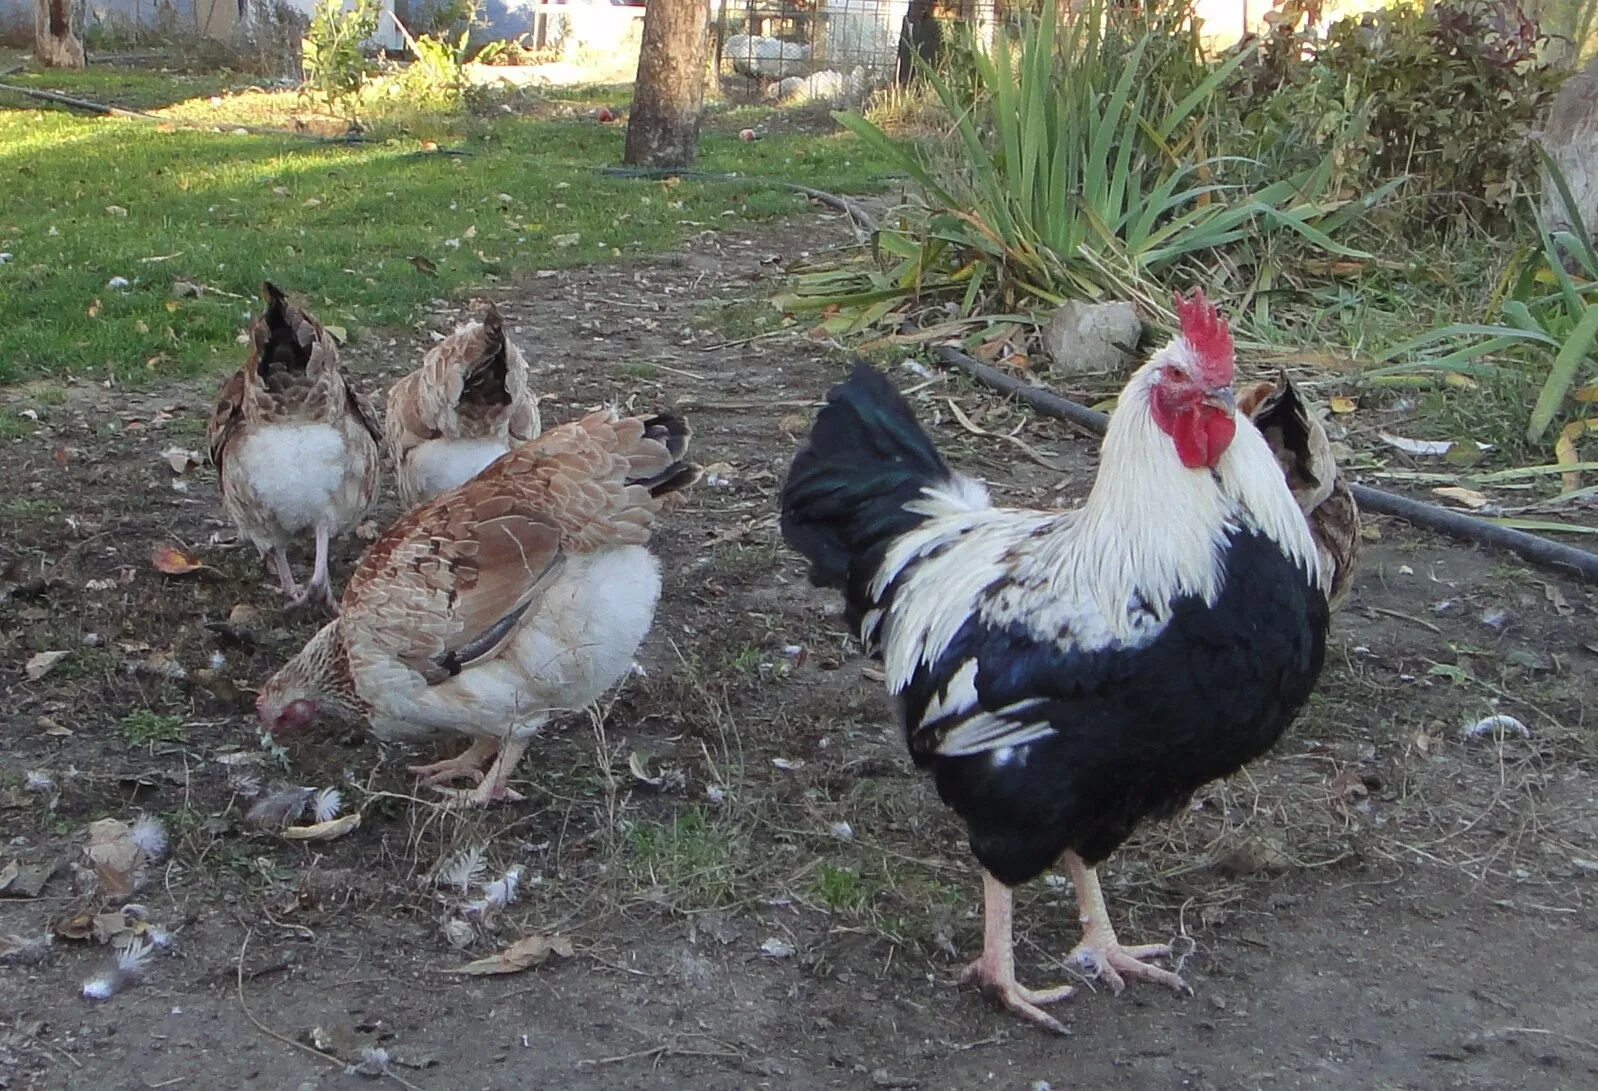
x,y
54,41
669,95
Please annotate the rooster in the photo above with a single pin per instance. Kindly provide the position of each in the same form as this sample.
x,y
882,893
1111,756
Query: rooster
x,y
464,407
489,609
1065,675
294,443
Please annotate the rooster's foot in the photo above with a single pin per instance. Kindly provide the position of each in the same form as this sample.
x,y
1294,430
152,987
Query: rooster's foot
x,y
996,980
1101,955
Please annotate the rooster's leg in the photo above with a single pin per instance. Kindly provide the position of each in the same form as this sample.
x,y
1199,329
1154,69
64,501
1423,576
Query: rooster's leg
x,y
468,763
494,784
1100,952
321,585
285,575
994,972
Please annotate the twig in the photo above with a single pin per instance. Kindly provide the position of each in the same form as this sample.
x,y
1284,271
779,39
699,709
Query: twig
x,y
12,71
1422,622
1539,551
285,1039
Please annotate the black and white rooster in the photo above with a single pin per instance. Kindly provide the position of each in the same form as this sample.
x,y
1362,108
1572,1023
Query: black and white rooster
x,y
1065,675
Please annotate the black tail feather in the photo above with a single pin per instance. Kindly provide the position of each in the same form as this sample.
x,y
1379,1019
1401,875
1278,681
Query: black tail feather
x,y
846,493
672,431
276,340
488,380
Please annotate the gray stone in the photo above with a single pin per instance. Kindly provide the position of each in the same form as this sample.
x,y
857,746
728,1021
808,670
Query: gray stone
x,y
1091,338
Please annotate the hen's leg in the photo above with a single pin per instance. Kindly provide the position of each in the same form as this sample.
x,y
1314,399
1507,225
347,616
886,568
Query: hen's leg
x,y
994,972
321,584
468,763
1100,952
285,576
494,785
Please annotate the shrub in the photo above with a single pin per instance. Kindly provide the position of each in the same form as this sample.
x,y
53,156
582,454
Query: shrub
x,y
336,65
1446,95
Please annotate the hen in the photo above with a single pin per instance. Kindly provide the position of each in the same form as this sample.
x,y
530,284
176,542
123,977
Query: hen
x,y
1304,452
1065,675
464,407
294,443
496,605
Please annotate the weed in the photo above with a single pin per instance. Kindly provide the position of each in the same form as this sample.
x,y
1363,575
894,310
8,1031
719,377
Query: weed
x,y
692,861
841,889
12,427
25,507
333,53
635,370
144,727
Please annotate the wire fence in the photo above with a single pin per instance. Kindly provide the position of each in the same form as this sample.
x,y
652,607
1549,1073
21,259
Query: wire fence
x,y
835,50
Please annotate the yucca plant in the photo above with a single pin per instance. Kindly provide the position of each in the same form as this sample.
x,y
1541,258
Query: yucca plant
x,y
1077,169
1532,319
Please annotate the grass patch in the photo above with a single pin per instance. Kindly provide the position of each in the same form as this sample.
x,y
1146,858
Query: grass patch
x,y
27,508
86,200
691,861
144,727
13,427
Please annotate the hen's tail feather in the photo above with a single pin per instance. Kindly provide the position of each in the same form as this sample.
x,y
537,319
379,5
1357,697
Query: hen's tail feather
x,y
487,378
672,432
846,495
276,338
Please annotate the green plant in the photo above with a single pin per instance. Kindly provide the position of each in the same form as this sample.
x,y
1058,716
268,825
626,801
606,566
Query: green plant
x,y
435,79
1077,170
1533,320
145,727
1446,95
336,66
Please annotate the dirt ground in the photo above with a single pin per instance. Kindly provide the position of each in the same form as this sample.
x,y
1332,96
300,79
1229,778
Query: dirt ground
x,y
760,891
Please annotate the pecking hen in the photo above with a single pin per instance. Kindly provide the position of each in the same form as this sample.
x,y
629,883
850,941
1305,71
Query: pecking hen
x,y
294,443
496,605
1066,675
464,407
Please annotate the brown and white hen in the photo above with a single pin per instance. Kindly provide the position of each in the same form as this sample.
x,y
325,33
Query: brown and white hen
x,y
294,443
464,407
520,594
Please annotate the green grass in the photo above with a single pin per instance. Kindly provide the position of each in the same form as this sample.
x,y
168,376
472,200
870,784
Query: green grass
x,y
692,861
336,222
144,727
23,507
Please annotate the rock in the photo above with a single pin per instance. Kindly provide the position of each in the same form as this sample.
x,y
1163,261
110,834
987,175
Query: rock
x,y
1091,338
1571,137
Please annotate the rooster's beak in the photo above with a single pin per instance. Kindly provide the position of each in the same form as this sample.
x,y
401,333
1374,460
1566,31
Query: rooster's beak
x,y
1222,399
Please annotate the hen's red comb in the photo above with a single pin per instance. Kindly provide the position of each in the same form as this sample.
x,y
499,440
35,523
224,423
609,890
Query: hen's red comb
x,y
1205,329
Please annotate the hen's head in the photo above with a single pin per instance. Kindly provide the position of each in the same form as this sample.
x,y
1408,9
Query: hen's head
x,y
306,687
1190,387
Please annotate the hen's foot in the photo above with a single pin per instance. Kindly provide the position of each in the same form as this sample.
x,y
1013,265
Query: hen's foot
x,y
467,764
997,982
486,792
1103,957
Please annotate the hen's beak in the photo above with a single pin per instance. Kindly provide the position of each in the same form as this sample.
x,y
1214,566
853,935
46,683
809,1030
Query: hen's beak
x,y
1222,398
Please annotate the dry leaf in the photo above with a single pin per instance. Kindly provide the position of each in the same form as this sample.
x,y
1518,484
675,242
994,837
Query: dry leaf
x,y
1469,498
95,308
525,953
635,765
42,664
322,831
1347,787
1565,451
116,857
172,561
423,265
340,334
1556,599
1586,394
1343,405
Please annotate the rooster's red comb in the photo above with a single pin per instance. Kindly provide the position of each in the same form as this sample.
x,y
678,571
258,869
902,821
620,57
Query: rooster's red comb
x,y
1205,330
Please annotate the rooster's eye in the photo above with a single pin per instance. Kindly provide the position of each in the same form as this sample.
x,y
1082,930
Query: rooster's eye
x,y
1176,373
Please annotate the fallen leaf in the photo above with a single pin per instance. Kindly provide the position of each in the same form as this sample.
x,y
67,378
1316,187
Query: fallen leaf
x,y
172,561
1586,394
322,831
1565,451
42,664
423,265
1344,405
525,953
1424,448
115,210
1469,498
565,242
95,308
8,875
115,855
635,765
1556,599
1347,787
340,334
79,926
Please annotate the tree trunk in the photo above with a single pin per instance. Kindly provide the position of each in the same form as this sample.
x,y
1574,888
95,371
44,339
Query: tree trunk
x,y
669,96
54,42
